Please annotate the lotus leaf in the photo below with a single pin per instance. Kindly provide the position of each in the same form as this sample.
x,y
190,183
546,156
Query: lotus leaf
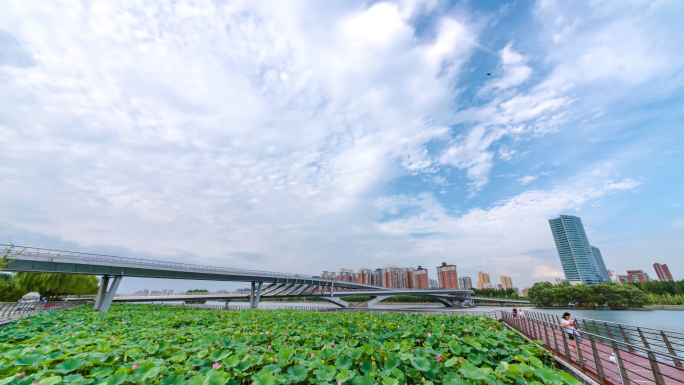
x,y
171,345
69,365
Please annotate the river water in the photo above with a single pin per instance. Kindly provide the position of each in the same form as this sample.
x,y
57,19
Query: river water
x,y
657,319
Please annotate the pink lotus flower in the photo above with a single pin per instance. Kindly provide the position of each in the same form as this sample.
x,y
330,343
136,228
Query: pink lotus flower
x,y
216,365
460,360
59,346
251,351
333,344
33,348
269,347
346,347
135,367
438,357
311,355
111,338
36,383
429,335
21,375
467,331
275,360
339,382
442,325
116,359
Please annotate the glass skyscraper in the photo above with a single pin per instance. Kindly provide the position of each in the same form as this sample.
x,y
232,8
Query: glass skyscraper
x,y
574,250
601,265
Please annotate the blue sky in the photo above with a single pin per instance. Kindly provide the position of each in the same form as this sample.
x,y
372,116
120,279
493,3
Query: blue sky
x,y
306,136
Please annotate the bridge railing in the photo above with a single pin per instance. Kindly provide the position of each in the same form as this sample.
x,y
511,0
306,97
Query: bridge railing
x,y
16,310
606,360
27,250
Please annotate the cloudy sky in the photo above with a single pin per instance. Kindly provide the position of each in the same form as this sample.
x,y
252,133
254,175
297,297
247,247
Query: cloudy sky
x,y
303,136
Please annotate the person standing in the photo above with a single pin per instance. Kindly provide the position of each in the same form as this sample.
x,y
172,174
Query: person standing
x,y
515,312
572,330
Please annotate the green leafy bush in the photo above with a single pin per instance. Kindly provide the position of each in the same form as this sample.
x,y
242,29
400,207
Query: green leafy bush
x,y
176,345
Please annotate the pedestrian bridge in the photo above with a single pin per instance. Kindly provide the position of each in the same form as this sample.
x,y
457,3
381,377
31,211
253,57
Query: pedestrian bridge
x,y
449,298
263,283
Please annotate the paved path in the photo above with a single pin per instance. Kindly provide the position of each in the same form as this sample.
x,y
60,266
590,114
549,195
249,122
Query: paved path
x,y
637,368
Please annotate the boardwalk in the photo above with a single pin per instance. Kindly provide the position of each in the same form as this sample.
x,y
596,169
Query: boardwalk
x,y
606,360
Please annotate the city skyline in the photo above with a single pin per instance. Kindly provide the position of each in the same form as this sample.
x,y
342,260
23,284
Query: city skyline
x,y
249,135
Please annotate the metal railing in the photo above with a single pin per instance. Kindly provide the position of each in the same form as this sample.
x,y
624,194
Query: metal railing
x,y
608,360
12,311
490,314
27,250
235,307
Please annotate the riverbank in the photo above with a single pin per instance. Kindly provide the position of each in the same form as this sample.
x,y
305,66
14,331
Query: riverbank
x,y
665,307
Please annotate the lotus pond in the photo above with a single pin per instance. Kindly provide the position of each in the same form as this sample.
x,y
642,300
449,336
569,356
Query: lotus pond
x,y
148,344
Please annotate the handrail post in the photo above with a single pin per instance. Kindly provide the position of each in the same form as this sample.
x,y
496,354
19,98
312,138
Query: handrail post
x,y
655,368
597,361
568,357
548,342
624,336
677,362
651,360
578,346
620,365
597,331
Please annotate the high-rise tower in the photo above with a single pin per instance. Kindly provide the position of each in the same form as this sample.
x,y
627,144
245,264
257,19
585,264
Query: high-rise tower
x,y
601,265
663,272
447,276
574,250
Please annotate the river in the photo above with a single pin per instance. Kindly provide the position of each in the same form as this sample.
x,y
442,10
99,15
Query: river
x,y
657,319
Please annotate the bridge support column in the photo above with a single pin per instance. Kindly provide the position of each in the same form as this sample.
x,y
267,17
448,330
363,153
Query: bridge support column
x,y
255,295
105,294
337,301
227,303
373,301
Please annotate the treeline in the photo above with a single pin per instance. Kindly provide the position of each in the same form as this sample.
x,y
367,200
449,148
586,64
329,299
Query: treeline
x,y
662,292
606,294
494,293
53,286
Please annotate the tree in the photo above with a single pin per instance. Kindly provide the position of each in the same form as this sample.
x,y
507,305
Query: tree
x,y
7,255
56,286
535,293
9,290
198,301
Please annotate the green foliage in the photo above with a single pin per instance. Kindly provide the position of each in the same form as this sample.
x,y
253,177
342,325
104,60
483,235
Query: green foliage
x,y
7,254
55,286
199,301
9,289
613,295
494,293
146,344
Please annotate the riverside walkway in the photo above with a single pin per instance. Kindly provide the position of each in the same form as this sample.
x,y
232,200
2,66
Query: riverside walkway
x,y
611,353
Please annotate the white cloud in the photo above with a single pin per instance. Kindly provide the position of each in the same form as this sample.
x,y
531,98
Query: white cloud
x,y
678,223
527,179
513,71
625,184
547,272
